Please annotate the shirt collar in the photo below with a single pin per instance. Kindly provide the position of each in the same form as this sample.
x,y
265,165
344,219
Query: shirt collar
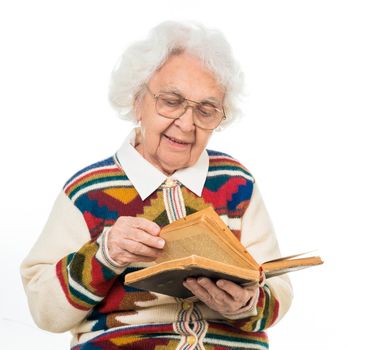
x,y
146,178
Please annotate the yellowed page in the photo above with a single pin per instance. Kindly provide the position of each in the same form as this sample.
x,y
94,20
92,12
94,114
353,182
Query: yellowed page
x,y
196,239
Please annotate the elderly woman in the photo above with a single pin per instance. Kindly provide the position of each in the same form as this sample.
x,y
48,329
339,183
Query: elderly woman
x,y
179,85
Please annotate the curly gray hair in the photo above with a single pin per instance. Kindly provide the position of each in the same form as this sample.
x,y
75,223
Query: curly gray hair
x,y
141,59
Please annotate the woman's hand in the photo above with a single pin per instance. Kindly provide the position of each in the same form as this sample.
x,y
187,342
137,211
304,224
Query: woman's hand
x,y
133,239
224,296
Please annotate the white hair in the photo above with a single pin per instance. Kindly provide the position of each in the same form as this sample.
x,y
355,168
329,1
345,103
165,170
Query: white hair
x,y
142,59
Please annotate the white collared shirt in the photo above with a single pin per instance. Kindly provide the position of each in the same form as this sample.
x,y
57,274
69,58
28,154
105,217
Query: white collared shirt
x,y
146,178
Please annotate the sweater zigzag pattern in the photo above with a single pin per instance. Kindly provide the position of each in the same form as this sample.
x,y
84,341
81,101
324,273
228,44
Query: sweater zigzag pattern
x,y
102,192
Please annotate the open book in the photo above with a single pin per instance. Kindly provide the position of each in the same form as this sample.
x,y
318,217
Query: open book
x,y
201,244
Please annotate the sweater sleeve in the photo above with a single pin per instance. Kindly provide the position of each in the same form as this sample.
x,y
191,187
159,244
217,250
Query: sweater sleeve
x,y
66,273
275,295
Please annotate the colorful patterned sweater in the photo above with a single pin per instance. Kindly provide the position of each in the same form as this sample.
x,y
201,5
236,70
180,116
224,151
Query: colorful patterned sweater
x,y
71,285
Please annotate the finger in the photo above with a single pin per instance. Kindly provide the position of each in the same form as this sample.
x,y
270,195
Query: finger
x,y
139,249
199,291
143,237
139,229
217,294
145,225
236,292
124,257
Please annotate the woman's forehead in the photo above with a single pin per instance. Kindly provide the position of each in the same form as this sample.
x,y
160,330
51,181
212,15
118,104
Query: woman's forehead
x,y
186,74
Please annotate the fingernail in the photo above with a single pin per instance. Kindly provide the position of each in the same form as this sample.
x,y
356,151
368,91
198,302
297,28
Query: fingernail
x,y
160,243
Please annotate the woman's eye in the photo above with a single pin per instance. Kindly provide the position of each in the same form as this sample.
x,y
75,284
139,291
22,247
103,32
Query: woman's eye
x,y
172,103
206,110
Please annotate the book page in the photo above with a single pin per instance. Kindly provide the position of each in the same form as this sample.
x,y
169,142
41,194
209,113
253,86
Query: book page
x,y
227,237
279,272
214,235
195,239
280,266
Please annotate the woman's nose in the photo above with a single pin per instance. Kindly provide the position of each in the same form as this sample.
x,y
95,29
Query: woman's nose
x,y
186,120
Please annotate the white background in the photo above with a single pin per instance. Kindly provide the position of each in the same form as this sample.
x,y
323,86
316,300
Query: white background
x,y
307,137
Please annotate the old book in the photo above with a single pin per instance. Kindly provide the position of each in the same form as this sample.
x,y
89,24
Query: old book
x,y
202,245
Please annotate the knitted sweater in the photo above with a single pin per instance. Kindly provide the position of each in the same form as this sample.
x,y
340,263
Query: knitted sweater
x,y
72,285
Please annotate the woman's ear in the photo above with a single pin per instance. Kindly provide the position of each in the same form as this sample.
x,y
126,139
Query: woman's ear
x,y
138,106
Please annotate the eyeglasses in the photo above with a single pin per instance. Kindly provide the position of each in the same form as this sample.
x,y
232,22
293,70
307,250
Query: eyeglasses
x,y
171,105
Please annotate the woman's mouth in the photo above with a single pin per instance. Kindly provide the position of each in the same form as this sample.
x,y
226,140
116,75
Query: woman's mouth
x,y
177,141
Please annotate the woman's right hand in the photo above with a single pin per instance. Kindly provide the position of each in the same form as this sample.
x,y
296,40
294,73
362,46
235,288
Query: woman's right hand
x,y
134,239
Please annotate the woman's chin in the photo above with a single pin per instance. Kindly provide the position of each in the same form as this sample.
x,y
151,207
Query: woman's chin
x,y
169,166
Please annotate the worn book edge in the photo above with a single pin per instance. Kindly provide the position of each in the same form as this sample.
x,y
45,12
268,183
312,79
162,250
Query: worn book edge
x,y
190,262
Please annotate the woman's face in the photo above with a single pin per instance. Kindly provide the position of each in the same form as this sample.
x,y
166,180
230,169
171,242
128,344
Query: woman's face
x,y
172,144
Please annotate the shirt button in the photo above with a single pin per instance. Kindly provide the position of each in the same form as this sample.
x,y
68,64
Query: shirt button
x,y
186,305
170,182
190,339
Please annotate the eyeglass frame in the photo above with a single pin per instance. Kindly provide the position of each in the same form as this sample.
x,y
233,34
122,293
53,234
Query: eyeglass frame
x,y
156,96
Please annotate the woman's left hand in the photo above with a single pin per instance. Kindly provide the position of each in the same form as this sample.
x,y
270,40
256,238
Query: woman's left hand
x,y
223,296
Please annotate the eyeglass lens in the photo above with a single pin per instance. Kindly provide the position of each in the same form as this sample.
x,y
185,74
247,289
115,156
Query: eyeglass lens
x,y
206,115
